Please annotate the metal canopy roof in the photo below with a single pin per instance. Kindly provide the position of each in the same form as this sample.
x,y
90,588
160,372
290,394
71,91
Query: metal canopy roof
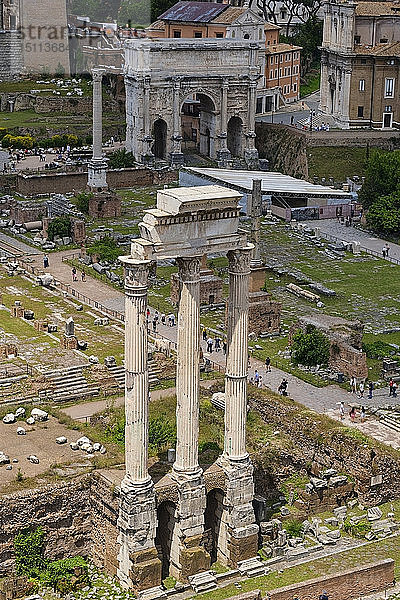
x,y
193,12
271,183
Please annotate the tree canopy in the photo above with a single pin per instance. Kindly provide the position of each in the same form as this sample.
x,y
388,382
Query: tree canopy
x,y
311,347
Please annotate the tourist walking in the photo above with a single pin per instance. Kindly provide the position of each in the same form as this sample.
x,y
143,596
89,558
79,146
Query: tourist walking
x,y
171,320
156,316
163,318
391,383
370,389
154,325
210,345
217,344
352,413
224,347
268,364
324,596
74,277
256,377
384,251
260,381
387,250
282,389
353,385
362,414
341,410
45,261
83,276
205,336
361,389
394,390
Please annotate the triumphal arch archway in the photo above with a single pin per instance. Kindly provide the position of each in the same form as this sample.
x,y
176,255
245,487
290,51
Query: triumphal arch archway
x,y
217,77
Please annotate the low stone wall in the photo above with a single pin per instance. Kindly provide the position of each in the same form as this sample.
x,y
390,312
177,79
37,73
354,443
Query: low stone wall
x,y
61,183
350,584
62,510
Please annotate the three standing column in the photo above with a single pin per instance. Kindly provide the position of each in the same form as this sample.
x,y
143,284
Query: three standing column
x,y
137,521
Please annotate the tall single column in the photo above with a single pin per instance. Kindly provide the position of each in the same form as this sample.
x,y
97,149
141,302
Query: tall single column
x,y
256,214
176,156
188,367
97,168
223,154
251,153
137,520
188,556
239,539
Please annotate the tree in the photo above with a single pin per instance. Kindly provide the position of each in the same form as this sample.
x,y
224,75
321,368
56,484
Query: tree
x,y
301,10
382,177
59,227
121,159
383,215
106,248
158,7
311,347
308,35
82,201
134,12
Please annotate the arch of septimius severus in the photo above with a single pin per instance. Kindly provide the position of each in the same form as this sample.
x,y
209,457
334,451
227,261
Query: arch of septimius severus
x,y
220,74
163,533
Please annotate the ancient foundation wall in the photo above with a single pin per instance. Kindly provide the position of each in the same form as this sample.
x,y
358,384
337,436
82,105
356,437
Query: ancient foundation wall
x,y
62,510
104,500
350,584
374,468
61,183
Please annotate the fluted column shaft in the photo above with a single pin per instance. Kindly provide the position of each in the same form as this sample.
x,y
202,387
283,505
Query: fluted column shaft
x,y
251,114
188,367
224,113
136,370
237,354
97,76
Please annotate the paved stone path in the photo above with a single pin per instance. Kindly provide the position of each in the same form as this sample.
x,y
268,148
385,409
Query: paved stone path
x,y
322,400
350,234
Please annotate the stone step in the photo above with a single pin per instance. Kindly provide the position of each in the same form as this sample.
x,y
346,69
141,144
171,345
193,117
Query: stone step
x,y
203,582
153,593
64,396
12,379
63,372
70,382
252,567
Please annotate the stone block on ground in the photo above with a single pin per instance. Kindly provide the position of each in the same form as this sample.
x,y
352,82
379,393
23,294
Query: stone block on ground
x,y
203,582
374,513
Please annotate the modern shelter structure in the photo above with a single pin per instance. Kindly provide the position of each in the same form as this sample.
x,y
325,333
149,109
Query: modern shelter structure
x,y
187,224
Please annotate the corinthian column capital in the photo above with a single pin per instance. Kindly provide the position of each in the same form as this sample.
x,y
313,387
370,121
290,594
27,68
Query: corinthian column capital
x,y
189,269
136,275
239,260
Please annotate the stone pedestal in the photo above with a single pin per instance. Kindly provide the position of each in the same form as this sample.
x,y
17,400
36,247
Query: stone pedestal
x,y
239,539
104,204
176,159
139,566
69,342
251,159
264,312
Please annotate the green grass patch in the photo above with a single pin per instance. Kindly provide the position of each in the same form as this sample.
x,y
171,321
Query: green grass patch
x,y
338,162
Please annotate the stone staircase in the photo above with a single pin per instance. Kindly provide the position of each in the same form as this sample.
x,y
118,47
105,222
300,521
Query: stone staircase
x,y
11,60
118,373
252,567
69,384
390,418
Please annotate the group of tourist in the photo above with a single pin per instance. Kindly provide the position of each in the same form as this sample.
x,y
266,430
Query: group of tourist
x,y
352,412
160,318
385,251
74,273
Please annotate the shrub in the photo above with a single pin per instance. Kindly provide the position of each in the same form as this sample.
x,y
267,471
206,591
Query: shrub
x,y
378,349
82,201
310,348
17,141
121,159
106,248
294,528
29,552
3,132
357,530
67,575
162,432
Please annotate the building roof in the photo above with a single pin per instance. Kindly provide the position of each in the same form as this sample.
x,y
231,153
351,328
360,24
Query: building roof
x,y
277,48
193,12
229,15
271,183
376,9
157,26
390,49
270,26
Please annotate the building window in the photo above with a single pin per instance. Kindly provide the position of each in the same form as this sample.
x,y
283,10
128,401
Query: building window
x,y
360,111
383,41
361,85
260,33
246,36
281,57
357,39
233,33
259,105
198,34
363,61
389,87
219,35
276,73
271,74
280,72
390,62
388,108
177,33
295,87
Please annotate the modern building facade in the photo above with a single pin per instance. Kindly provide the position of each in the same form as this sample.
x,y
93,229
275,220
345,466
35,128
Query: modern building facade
x,y
360,64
